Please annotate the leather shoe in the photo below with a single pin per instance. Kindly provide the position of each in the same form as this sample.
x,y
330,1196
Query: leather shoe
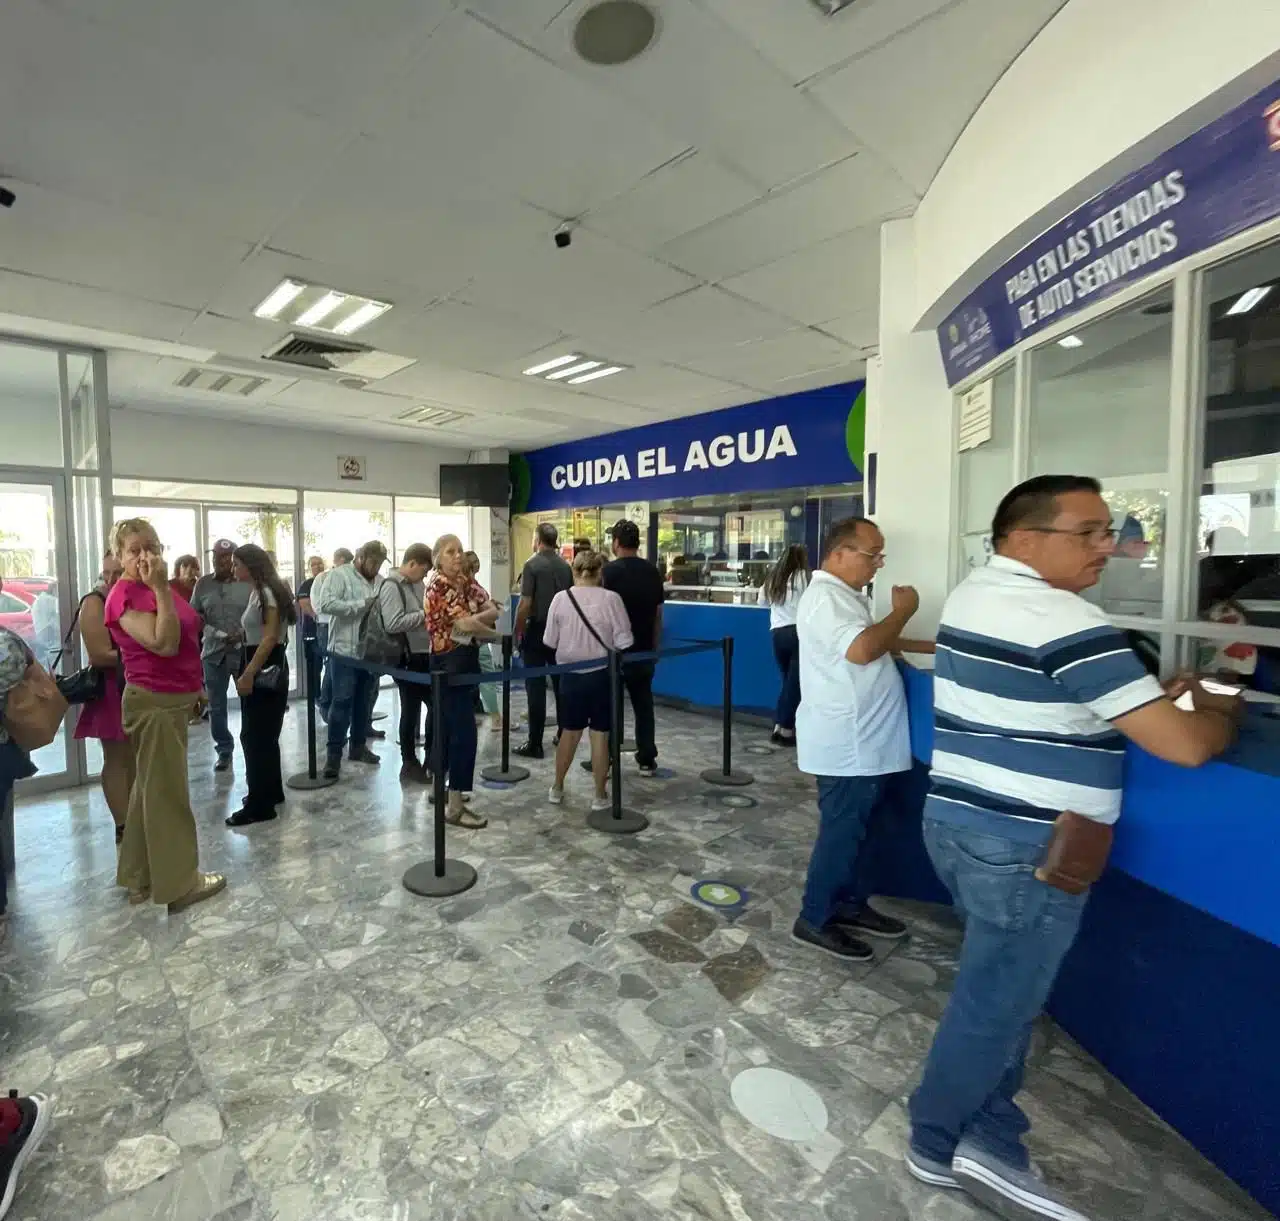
x,y
527,750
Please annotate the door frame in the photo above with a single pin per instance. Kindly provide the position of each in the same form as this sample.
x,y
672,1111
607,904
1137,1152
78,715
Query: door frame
x,y
74,771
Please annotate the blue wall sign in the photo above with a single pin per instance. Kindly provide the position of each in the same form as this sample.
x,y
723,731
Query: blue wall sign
x,y
800,440
1218,182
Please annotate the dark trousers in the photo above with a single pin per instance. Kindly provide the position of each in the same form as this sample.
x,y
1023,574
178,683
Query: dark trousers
x,y
786,652
261,718
638,679
534,653
412,698
849,807
324,696
457,736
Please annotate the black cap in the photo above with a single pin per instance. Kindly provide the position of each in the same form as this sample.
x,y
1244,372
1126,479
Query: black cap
x,y
626,534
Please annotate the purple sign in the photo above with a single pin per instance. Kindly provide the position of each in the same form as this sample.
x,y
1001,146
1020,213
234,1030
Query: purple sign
x,y
1218,182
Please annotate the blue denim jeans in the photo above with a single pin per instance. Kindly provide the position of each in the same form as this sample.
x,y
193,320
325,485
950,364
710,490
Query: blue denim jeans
x,y
1017,930
839,877
218,673
351,711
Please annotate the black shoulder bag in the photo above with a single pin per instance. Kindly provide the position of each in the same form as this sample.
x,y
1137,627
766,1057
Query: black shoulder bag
x,y
86,684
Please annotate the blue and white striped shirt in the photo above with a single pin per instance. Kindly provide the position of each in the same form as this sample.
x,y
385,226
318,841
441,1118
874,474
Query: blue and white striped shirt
x,y
1026,683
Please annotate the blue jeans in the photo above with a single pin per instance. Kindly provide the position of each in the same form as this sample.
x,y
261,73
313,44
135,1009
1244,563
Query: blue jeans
x,y
218,673
351,709
848,809
786,652
1017,930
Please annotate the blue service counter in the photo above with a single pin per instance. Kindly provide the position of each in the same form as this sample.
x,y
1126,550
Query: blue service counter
x,y
698,679
1174,983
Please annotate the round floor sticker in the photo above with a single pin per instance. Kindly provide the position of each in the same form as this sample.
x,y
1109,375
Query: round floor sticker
x,y
718,894
735,801
495,784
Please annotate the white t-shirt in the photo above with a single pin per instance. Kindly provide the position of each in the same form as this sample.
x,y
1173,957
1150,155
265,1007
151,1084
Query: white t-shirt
x,y
783,614
852,719
251,621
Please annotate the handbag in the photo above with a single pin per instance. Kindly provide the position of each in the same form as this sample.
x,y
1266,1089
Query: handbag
x,y
34,709
272,679
87,684
377,645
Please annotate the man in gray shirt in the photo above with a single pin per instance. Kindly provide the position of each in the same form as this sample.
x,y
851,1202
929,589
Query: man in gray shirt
x,y
401,597
545,575
220,600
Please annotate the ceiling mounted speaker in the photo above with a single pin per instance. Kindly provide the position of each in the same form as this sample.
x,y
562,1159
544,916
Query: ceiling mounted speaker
x,y
614,32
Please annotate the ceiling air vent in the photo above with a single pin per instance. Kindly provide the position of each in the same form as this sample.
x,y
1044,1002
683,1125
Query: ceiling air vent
x,y
614,32
336,356
214,381
430,417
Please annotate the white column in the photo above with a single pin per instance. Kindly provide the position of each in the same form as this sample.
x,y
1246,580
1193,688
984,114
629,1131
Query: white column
x,y
909,409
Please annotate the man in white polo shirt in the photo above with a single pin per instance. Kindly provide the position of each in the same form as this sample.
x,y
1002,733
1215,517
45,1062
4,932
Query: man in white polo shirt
x,y
1035,693
851,732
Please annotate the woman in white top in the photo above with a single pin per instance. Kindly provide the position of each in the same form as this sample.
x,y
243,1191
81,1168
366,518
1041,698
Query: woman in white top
x,y
263,684
781,591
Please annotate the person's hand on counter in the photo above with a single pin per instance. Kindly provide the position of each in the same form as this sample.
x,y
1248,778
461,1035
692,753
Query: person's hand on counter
x,y
1225,703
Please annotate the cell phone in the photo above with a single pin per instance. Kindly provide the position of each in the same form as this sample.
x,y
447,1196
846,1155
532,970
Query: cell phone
x,y
1187,704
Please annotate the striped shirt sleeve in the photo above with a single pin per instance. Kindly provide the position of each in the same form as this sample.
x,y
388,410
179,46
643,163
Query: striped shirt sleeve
x,y
1096,667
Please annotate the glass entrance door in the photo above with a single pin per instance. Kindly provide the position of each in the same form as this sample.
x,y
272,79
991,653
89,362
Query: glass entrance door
x,y
37,594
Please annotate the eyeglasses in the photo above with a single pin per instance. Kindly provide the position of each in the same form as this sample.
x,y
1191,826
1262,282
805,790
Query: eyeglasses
x,y
1093,535
876,557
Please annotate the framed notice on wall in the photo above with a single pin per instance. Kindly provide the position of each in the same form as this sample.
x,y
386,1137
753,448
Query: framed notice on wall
x,y
975,416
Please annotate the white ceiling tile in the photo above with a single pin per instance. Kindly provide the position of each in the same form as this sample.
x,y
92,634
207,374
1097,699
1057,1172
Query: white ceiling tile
x,y
455,333
656,386
801,41
860,329
832,375
674,199
770,361
489,110
35,298
857,191
707,84
836,277
525,19
912,97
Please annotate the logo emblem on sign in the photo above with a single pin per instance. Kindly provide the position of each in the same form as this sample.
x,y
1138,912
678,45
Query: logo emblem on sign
x,y
1272,116
954,332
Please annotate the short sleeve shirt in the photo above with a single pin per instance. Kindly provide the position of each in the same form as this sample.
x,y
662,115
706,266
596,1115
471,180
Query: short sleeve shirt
x,y
180,673
545,575
639,584
852,719
445,604
251,622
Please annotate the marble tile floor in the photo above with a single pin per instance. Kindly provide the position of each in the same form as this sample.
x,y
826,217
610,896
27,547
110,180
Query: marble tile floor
x,y
559,1043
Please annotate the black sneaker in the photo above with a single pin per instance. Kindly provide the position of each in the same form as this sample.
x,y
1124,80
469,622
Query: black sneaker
x,y
778,738
363,755
245,818
378,734
647,769
34,1116
870,922
332,768
223,764
412,772
832,940
527,750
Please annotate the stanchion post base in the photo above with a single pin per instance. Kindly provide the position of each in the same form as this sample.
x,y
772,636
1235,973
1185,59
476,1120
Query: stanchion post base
x,y
304,781
628,824
513,775
734,780
421,879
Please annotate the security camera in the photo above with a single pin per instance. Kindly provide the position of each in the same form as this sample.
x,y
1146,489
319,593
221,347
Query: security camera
x,y
7,198
564,236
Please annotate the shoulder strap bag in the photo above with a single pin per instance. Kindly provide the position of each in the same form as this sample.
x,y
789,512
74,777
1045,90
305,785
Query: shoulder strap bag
x,y
589,625
33,710
89,682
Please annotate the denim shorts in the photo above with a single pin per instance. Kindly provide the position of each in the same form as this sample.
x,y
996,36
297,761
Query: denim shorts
x,y
584,701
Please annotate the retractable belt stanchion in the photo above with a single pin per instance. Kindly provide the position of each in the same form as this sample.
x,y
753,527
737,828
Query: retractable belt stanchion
x,y
311,778
725,775
439,877
506,774
616,820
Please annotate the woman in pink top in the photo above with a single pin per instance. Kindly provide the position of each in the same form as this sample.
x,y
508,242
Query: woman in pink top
x,y
583,623
158,636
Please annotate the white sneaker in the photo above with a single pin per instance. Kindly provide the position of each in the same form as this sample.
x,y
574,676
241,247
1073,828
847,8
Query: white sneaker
x,y
602,803
555,795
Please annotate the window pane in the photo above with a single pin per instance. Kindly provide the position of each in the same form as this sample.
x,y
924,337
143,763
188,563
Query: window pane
x,y
268,527
30,406
421,519
1255,667
1239,534
1100,406
986,471
90,536
344,519
177,528
84,419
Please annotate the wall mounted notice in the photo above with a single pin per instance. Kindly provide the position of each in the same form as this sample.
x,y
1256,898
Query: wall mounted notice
x,y
351,468
975,416
1216,183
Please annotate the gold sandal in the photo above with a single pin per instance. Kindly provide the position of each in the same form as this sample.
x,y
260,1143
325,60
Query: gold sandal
x,y
139,896
466,818
209,885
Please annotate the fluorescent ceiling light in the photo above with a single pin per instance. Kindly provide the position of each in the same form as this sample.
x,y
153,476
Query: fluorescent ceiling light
x,y
607,371
1071,341
547,366
361,316
1247,301
581,367
279,297
321,309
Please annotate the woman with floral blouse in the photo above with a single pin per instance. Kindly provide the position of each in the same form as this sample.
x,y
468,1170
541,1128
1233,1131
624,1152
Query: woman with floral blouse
x,y
458,610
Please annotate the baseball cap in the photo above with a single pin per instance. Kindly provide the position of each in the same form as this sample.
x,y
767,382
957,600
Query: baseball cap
x,y
625,533
224,546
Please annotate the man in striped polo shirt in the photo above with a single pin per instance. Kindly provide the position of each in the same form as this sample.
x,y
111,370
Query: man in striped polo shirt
x,y
1035,693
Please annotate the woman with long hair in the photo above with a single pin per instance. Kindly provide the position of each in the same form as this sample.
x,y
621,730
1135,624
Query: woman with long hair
x,y
781,591
263,683
158,636
458,610
583,623
103,718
